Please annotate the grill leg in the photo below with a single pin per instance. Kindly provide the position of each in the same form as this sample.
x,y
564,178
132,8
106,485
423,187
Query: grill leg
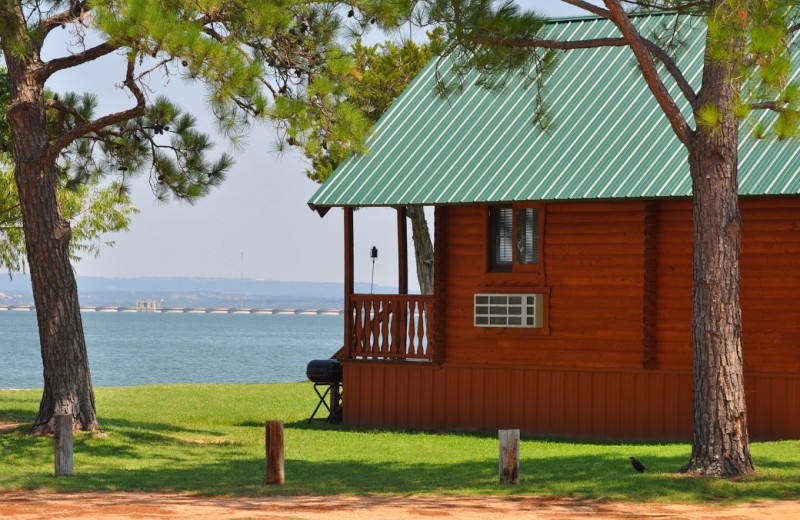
x,y
321,402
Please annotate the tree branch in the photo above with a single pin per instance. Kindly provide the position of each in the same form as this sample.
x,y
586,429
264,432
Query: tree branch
x,y
686,89
66,109
57,20
642,52
660,6
9,210
87,127
51,67
551,44
774,107
594,9
684,86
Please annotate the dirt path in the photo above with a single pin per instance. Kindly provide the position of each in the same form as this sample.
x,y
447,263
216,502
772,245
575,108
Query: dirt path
x,y
143,506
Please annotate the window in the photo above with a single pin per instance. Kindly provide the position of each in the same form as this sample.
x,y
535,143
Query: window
x,y
514,237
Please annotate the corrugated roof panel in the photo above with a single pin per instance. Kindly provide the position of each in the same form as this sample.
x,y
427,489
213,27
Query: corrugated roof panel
x,y
608,137
461,134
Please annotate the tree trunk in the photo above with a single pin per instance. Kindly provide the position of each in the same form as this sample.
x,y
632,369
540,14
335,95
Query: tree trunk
x,y
423,248
720,444
67,381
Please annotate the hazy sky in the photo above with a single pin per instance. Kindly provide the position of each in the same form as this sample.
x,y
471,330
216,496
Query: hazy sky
x,y
257,224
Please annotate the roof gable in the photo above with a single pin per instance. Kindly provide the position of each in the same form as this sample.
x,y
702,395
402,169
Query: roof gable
x,y
607,139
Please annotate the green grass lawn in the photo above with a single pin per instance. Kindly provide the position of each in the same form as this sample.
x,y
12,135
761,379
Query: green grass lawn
x,y
210,439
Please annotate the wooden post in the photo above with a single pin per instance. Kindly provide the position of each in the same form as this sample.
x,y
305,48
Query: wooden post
x,y
63,444
274,449
440,255
349,284
509,456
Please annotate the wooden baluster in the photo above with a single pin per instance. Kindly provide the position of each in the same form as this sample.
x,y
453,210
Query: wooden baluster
x,y
402,326
427,313
398,327
388,328
352,311
384,331
411,348
394,334
376,327
366,330
358,331
368,324
386,316
364,315
421,328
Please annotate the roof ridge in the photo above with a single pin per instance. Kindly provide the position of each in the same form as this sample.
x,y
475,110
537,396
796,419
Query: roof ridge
x,y
582,17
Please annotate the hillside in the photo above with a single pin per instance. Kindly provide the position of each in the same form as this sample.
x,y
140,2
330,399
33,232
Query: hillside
x,y
194,292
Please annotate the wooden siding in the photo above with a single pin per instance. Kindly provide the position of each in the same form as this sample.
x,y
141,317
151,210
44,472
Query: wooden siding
x,y
613,404
595,259
770,293
674,292
593,264
771,285
602,367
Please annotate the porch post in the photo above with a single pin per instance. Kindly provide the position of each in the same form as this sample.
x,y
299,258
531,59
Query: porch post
x,y
348,282
439,272
402,251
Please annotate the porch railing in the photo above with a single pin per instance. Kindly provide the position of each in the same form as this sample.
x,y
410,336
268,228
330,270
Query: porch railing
x,y
390,326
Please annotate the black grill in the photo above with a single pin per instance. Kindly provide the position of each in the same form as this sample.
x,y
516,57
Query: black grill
x,y
328,371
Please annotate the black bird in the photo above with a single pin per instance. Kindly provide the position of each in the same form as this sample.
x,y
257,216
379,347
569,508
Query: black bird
x,y
638,466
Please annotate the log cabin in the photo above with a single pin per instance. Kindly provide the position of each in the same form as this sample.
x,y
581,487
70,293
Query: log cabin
x,y
563,255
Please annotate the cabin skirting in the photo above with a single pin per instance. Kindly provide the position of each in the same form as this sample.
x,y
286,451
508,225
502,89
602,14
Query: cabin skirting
x,y
589,403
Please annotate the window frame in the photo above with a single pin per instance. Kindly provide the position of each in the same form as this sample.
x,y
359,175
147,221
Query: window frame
x,y
493,267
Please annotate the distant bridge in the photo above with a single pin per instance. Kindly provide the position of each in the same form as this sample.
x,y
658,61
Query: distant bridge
x,y
189,310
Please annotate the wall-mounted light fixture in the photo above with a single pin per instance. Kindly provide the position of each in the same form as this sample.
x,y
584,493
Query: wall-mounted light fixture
x,y
373,253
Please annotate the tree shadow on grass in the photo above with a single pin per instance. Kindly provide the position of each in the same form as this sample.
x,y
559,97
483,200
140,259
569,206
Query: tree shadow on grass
x,y
154,456
119,439
17,415
107,423
566,476
147,430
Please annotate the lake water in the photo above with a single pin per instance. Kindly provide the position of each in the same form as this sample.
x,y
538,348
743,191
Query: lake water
x,y
128,349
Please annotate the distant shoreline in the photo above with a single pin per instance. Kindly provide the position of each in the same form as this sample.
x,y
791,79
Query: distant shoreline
x,y
187,310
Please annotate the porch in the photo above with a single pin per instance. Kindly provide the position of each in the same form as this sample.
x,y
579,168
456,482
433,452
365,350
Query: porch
x,y
388,327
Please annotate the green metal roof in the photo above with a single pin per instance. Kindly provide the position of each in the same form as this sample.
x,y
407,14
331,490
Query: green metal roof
x,y
608,137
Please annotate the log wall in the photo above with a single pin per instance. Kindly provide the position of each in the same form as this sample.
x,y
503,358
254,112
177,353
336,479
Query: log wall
x,y
603,367
593,259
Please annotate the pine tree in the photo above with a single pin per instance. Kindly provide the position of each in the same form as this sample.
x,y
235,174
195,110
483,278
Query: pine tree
x,y
251,56
746,68
93,210
343,113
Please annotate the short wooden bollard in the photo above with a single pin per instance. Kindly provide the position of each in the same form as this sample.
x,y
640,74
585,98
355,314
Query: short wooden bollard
x,y
509,456
274,449
63,443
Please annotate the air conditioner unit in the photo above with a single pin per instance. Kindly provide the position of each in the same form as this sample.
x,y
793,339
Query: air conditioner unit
x,y
509,310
